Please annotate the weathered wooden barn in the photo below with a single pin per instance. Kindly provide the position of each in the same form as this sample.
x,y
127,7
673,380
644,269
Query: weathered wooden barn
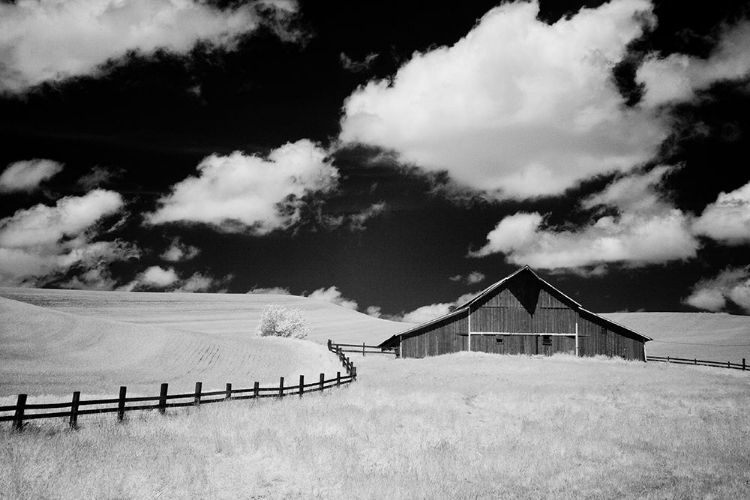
x,y
521,314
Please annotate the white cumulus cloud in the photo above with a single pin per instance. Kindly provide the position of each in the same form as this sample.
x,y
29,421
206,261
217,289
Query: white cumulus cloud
x,y
517,108
249,193
26,175
43,243
647,230
333,295
432,311
727,220
732,284
677,77
179,251
42,40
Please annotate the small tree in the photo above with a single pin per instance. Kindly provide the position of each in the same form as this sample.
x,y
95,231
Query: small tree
x,y
280,321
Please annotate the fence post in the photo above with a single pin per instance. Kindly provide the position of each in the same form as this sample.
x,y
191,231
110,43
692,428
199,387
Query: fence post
x,y
668,360
338,379
74,410
301,385
198,390
695,360
354,372
743,364
363,349
163,398
256,390
322,381
229,392
728,365
329,345
281,387
121,403
18,418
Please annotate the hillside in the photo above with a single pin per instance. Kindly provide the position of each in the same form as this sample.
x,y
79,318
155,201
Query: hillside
x,y
52,352
222,315
712,336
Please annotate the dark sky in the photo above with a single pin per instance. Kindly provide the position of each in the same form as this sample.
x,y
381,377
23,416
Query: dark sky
x,y
390,154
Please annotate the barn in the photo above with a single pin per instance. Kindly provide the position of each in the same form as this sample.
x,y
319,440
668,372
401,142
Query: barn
x,y
521,314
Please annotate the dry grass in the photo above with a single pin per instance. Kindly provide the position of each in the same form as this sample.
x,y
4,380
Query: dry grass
x,y
48,352
711,336
221,315
458,426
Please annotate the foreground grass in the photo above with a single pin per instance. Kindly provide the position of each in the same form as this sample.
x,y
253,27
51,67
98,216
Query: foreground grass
x,y
460,426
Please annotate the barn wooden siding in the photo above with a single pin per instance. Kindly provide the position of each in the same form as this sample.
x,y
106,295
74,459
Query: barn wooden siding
x,y
524,304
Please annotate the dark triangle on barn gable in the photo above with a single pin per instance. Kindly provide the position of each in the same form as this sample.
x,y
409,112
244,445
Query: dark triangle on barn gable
x,y
526,286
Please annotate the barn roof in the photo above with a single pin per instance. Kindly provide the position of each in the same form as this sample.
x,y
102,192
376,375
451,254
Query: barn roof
x,y
463,309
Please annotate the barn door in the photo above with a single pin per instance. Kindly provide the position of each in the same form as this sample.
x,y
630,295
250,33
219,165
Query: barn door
x,y
545,345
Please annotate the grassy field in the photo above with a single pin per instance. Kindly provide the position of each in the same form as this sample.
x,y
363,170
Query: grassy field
x,y
48,353
712,336
456,427
220,315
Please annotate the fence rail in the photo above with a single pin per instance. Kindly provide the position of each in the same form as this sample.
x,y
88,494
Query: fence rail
x,y
684,361
362,348
23,411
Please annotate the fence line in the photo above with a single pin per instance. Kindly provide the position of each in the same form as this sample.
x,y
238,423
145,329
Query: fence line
x,y
164,400
361,348
695,361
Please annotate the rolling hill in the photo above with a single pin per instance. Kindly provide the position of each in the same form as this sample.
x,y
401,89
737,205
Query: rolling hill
x,y
57,341
712,336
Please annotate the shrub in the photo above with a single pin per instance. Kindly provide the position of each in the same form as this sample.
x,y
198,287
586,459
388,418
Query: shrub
x,y
280,321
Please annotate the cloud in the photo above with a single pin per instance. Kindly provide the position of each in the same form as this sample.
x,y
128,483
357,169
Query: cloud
x,y
248,193
276,290
432,311
470,279
358,220
374,311
333,295
44,244
26,175
727,220
179,252
517,108
677,77
731,285
53,39
646,230
159,278
198,283
98,176
350,64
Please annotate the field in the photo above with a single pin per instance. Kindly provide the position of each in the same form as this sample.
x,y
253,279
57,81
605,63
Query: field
x,y
455,427
466,425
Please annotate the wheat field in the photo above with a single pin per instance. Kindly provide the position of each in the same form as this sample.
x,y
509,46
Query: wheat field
x,y
460,426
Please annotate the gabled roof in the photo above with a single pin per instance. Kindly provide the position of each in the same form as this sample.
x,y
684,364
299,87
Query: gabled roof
x,y
466,307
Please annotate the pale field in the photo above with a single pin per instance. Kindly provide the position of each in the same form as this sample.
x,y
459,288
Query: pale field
x,y
462,426
48,353
221,315
711,336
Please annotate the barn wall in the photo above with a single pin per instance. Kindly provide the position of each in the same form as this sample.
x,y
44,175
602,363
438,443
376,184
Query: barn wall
x,y
523,305
595,338
442,338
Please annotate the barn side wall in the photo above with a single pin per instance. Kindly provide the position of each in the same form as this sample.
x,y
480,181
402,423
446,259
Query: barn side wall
x,y
445,337
596,337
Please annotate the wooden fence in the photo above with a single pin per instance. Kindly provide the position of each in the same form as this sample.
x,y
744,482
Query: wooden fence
x,y
362,348
695,361
77,407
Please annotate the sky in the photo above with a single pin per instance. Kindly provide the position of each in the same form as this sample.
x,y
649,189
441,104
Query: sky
x,y
395,158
